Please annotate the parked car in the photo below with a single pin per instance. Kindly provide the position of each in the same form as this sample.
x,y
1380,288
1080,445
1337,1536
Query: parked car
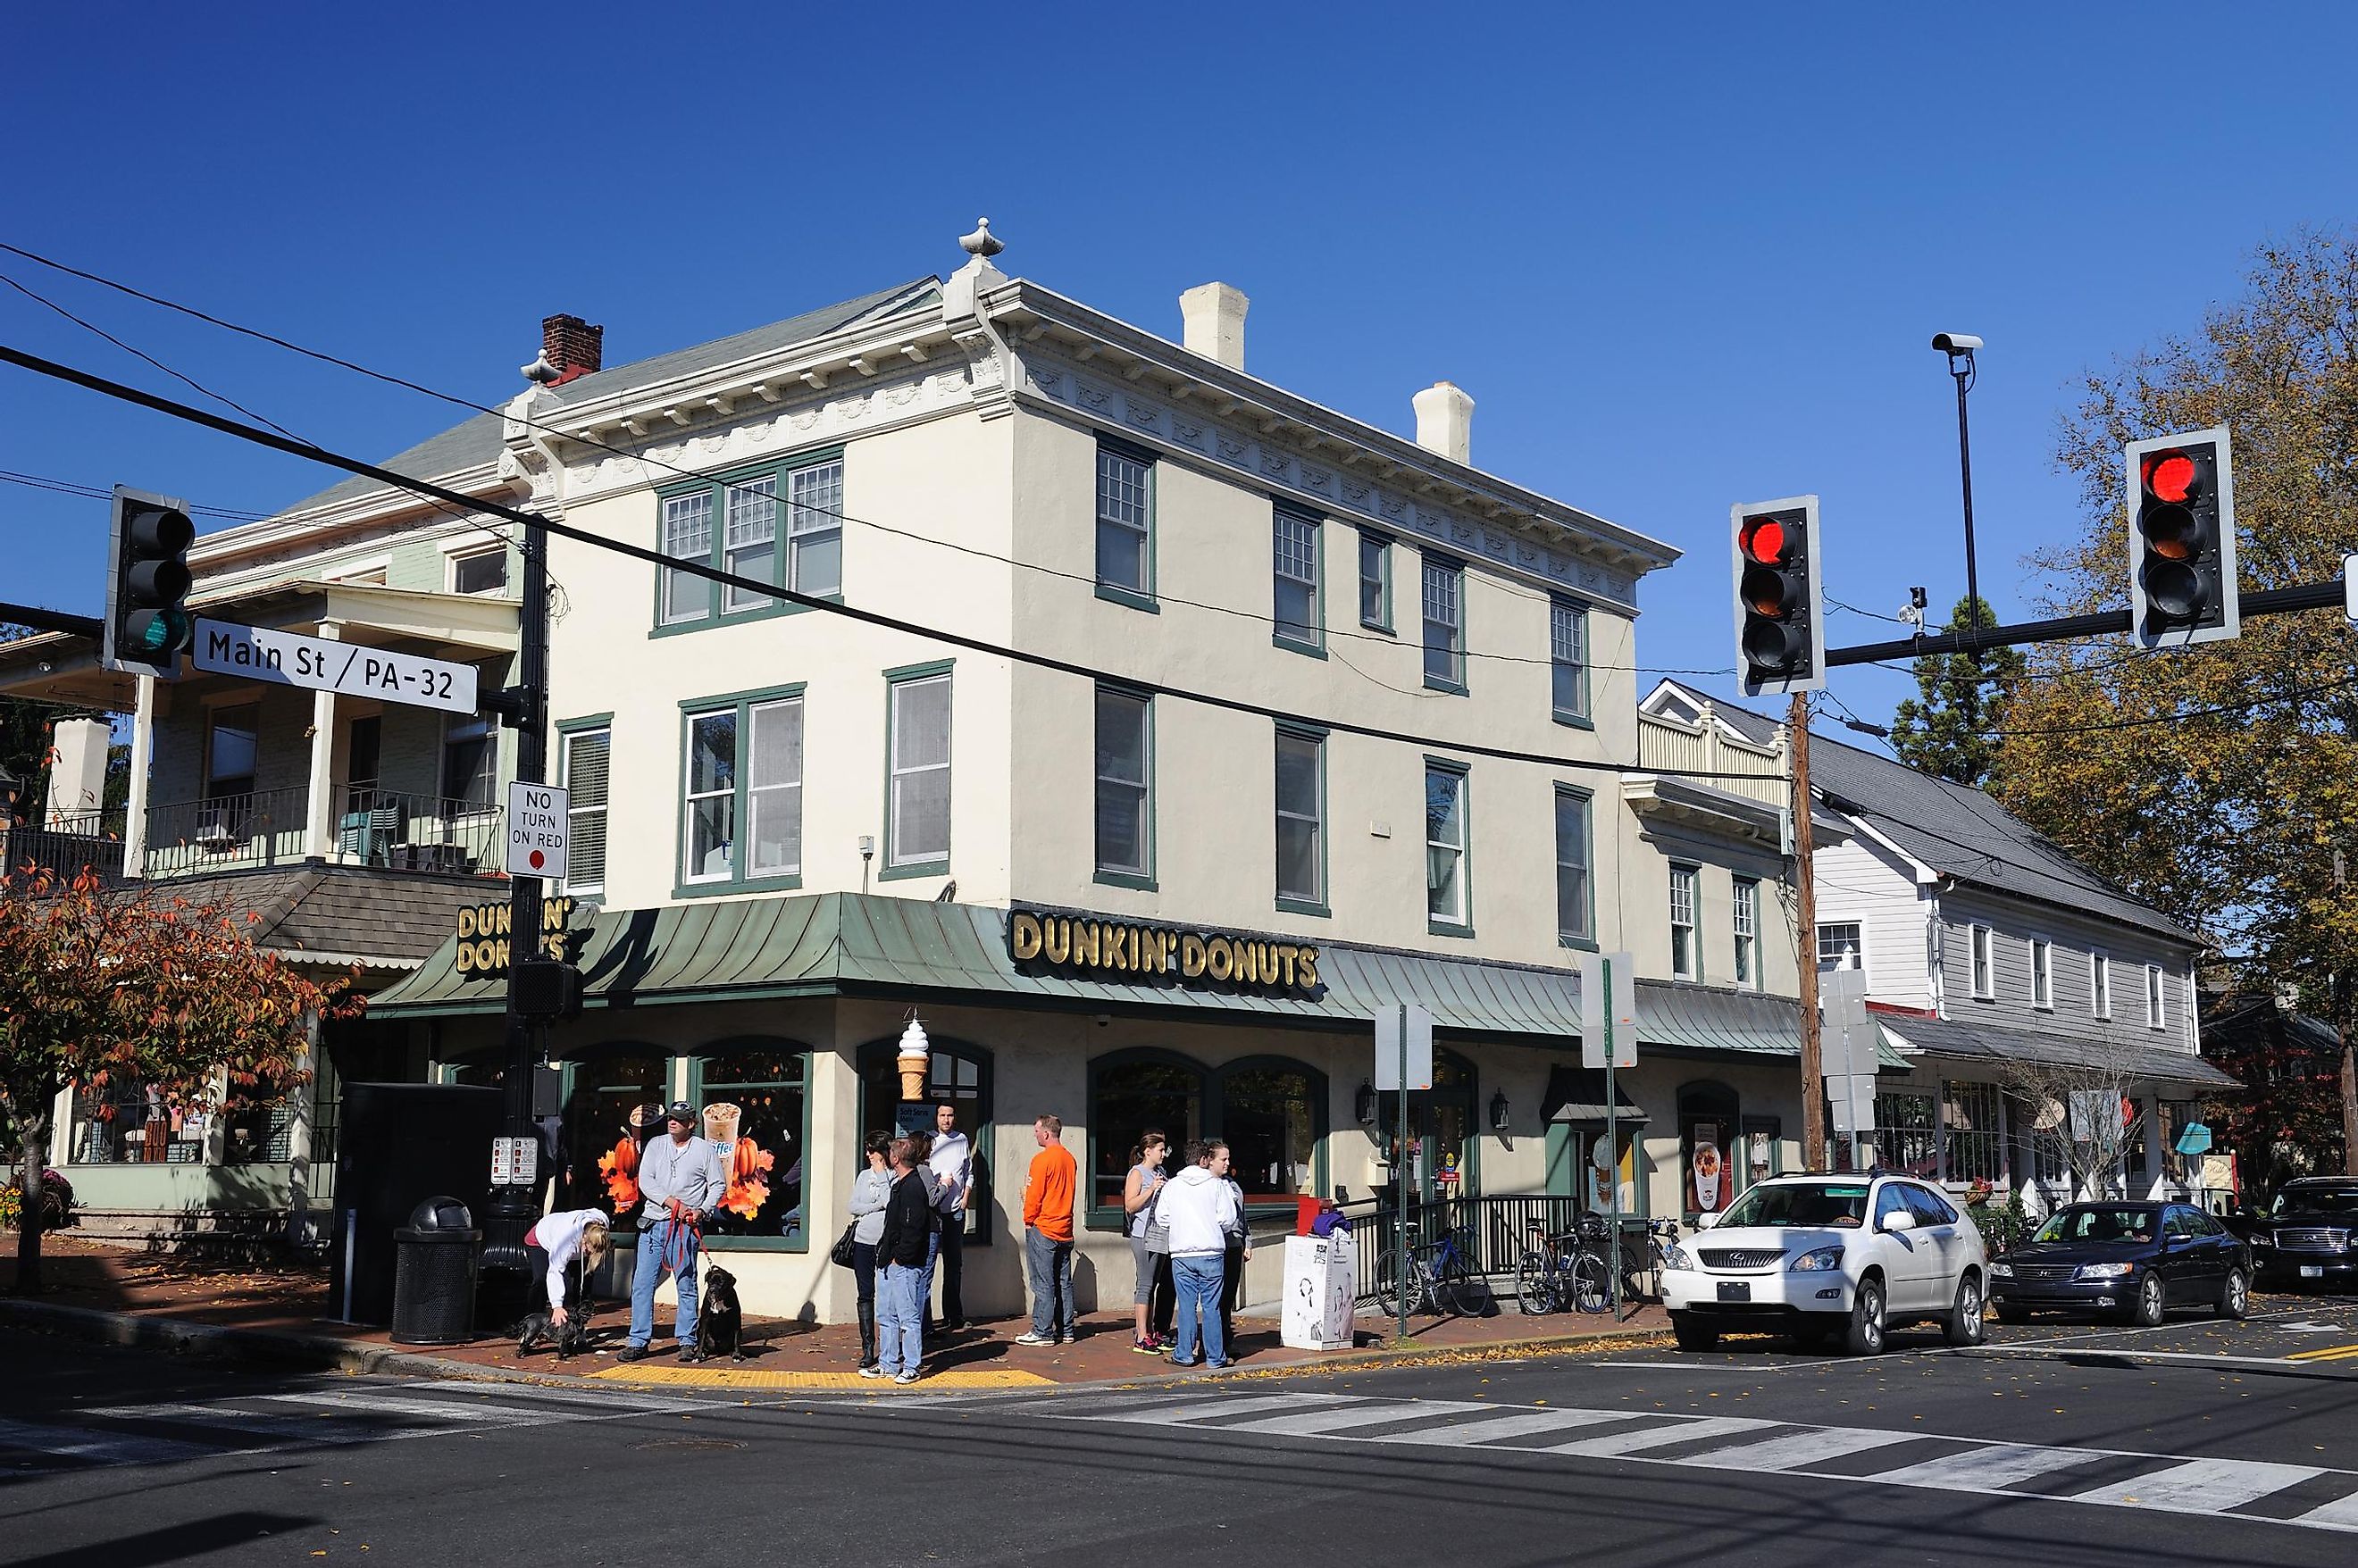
x,y
2134,1259
1818,1257
2310,1236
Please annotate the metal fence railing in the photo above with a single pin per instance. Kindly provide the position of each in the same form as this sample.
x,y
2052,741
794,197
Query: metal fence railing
x,y
1497,1228
394,830
65,852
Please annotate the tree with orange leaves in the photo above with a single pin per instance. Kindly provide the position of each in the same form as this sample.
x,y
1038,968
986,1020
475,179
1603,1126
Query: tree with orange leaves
x,y
99,985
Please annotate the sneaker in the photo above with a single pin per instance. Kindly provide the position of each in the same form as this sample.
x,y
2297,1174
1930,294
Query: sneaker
x,y
874,1370
1146,1348
908,1376
1027,1337
632,1353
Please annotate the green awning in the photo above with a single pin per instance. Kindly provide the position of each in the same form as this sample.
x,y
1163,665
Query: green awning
x,y
1722,1021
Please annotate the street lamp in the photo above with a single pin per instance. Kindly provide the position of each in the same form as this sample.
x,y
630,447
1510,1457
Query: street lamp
x,y
1498,1112
1960,347
1363,1104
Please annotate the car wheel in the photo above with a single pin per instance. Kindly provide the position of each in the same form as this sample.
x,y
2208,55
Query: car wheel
x,y
2234,1295
1963,1324
1865,1337
2150,1305
1693,1335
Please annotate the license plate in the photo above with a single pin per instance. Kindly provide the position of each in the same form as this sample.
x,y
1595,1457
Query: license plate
x,y
2313,1270
1736,1290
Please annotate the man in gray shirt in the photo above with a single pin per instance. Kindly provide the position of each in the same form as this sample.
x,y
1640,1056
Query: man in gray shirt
x,y
681,1182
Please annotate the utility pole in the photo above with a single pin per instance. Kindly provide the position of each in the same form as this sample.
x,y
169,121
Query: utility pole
x,y
1960,347
1814,1077
2349,1059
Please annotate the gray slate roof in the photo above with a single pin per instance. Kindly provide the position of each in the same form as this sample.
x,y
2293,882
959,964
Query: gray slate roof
x,y
1983,1042
476,440
396,918
1959,832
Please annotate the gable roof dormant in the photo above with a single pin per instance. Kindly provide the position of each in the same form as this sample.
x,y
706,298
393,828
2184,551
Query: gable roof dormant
x,y
1959,832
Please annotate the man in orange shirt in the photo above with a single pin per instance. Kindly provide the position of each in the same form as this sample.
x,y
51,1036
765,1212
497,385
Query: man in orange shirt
x,y
1048,1201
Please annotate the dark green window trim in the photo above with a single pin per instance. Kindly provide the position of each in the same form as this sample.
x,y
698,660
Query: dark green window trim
x,y
1465,772
889,872
1321,907
1315,644
1583,718
1117,593
1455,685
1383,543
875,1059
1588,799
783,1046
587,721
717,484
1212,1095
738,882
1138,882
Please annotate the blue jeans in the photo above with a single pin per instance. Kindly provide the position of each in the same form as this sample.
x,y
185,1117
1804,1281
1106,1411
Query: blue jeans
x,y
901,1317
658,1251
1048,1265
1198,1279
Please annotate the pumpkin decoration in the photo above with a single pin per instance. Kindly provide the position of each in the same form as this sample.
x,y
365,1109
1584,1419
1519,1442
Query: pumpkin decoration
x,y
619,1166
749,1179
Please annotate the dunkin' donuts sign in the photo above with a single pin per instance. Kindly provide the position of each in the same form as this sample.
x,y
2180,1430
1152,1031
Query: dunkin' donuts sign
x,y
1129,950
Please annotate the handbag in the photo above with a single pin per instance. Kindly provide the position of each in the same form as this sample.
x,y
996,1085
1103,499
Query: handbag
x,y
840,1253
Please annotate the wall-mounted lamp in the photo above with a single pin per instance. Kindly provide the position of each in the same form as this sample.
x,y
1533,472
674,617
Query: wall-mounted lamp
x,y
1498,1112
1363,1104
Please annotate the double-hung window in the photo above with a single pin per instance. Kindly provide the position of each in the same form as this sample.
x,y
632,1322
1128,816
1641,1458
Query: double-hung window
x,y
1301,821
1444,623
1568,659
1375,581
742,791
1125,525
583,768
2100,986
2042,973
1448,898
479,571
2153,1009
1985,975
733,523
1125,786
470,763
1298,618
1686,949
1575,912
1746,921
918,771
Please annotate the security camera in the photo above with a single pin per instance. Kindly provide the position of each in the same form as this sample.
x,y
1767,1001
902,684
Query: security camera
x,y
1956,342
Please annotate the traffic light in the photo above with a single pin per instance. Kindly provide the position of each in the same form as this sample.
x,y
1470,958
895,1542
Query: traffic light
x,y
147,623
2182,540
1780,639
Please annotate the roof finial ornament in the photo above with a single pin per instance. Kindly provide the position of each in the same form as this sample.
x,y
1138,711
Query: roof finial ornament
x,y
983,242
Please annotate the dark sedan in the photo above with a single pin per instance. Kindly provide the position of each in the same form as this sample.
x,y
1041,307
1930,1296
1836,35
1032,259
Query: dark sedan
x,y
2310,1236
2137,1259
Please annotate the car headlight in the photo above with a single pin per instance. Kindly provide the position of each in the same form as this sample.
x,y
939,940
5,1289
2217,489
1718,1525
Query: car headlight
x,y
2106,1270
1675,1257
2001,1270
1822,1260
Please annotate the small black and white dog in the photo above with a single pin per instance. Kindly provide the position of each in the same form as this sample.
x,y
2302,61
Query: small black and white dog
x,y
720,1322
569,1339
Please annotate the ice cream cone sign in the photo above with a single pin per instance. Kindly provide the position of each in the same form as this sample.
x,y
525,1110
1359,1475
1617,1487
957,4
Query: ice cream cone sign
x,y
913,1058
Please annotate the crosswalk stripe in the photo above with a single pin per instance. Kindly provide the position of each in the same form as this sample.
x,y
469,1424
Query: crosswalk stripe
x,y
1503,1423
1798,1451
1313,1423
1614,1443
319,1428
106,1448
1988,1468
1198,1410
431,1409
617,1401
2342,1514
2199,1485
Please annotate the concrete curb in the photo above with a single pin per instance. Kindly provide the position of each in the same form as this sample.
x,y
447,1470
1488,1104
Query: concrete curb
x,y
318,1352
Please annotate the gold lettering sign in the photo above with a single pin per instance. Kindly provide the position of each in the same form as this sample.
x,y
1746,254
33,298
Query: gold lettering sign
x,y
484,930
1128,949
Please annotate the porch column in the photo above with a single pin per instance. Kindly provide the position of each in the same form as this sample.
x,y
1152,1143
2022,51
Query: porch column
x,y
298,1144
143,758
320,814
2155,1164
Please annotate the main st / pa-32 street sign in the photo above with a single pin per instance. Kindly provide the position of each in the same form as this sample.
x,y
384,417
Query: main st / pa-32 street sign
x,y
288,658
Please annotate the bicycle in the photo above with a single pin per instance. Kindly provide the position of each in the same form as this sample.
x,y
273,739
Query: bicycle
x,y
1642,1273
1439,1278
1552,1275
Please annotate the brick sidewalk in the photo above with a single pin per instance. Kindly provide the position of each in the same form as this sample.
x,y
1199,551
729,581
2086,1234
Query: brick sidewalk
x,y
781,1355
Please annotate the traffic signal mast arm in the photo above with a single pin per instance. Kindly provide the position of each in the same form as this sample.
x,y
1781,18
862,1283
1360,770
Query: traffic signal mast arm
x,y
2269,602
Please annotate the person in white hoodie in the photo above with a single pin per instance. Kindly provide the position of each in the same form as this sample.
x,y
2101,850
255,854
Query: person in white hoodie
x,y
1200,1209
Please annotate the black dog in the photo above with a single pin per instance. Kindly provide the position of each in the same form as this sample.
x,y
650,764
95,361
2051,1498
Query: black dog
x,y
569,1339
719,1321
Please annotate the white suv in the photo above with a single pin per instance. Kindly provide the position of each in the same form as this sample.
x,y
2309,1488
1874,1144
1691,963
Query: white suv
x,y
1817,1256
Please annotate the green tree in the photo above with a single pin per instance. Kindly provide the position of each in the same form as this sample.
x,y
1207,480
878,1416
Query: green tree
x,y
2220,782
1947,732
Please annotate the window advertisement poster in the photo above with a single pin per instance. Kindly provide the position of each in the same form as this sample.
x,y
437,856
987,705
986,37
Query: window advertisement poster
x,y
1599,1173
1706,1162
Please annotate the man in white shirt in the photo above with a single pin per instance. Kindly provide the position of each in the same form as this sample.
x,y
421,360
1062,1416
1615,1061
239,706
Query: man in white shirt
x,y
952,1162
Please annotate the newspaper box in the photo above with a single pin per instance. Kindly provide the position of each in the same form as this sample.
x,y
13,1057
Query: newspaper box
x,y
1320,1285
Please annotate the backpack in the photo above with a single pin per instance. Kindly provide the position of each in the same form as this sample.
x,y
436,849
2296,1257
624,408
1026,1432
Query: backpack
x,y
1156,1235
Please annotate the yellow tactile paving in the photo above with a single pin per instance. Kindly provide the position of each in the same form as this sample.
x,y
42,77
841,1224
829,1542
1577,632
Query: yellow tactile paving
x,y
741,1378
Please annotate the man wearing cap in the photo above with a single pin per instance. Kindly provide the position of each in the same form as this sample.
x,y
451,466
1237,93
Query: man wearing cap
x,y
681,1180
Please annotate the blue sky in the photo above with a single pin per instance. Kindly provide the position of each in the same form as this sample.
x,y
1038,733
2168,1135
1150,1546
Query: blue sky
x,y
1680,257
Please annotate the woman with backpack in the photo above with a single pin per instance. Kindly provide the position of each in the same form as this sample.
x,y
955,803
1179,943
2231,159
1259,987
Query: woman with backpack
x,y
1140,1193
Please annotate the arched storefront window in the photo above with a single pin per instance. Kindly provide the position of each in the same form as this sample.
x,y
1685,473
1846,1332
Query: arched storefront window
x,y
1272,1114
1131,1091
960,1075
601,1091
1271,1111
754,1098
1444,1156
1707,1148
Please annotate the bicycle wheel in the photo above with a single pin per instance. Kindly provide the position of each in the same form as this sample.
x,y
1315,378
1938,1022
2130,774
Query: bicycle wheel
x,y
1583,1282
1456,1291
1389,1290
1535,1285
1639,1279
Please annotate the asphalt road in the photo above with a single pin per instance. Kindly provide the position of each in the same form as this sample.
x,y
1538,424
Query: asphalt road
x,y
2057,1445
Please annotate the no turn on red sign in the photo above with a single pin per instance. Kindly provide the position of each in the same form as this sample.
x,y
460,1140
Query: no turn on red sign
x,y
536,831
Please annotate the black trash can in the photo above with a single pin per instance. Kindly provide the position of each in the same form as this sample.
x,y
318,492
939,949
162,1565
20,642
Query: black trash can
x,y
436,1256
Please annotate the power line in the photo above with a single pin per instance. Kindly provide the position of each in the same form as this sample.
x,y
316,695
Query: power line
x,y
298,448
391,380
93,492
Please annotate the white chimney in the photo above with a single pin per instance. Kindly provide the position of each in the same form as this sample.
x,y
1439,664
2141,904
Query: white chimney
x,y
1214,315
1445,421
77,776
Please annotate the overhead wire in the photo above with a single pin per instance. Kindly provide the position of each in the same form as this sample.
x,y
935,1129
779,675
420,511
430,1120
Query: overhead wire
x,y
94,492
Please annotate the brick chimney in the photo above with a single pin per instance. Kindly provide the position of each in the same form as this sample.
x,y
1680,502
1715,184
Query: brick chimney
x,y
573,346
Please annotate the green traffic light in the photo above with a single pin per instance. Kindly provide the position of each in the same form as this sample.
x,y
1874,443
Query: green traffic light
x,y
155,634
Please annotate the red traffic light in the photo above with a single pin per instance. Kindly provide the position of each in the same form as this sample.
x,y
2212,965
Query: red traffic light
x,y
1763,541
2170,476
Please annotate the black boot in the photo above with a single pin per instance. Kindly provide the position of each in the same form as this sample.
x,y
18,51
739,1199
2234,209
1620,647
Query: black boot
x,y
867,1333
